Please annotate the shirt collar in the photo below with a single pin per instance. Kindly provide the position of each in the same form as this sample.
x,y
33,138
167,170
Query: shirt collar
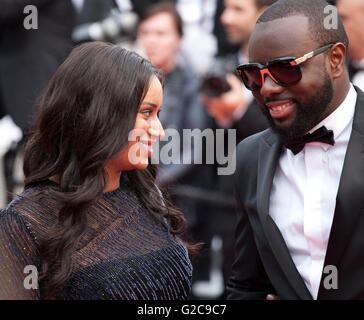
x,y
342,116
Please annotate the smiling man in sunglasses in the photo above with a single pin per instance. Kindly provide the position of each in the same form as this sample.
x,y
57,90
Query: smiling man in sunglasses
x,y
300,184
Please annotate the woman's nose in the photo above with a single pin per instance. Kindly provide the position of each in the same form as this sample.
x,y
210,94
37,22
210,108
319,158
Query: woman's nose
x,y
156,129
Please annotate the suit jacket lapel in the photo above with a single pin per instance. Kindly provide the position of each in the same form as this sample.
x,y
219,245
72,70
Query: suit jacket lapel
x,y
350,197
269,152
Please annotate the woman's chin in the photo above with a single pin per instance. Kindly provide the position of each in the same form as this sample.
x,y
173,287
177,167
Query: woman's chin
x,y
141,165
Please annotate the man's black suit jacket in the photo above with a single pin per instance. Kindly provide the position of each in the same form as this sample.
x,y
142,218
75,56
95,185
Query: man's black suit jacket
x,y
263,263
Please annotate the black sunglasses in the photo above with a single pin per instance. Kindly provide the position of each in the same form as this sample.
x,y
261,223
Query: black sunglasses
x,y
284,71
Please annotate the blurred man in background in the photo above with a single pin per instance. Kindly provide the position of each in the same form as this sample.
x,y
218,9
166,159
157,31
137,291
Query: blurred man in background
x,y
238,19
229,109
160,35
352,15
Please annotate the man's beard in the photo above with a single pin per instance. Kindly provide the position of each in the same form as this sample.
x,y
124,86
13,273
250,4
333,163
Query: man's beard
x,y
308,115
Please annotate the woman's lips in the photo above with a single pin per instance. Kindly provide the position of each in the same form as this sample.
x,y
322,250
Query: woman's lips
x,y
148,146
280,109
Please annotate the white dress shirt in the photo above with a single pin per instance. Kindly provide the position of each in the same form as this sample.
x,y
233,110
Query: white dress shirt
x,y
303,196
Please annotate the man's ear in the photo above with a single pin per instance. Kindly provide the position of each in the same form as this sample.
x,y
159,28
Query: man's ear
x,y
336,58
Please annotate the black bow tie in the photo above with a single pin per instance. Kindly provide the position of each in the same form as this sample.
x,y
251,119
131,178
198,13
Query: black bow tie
x,y
320,135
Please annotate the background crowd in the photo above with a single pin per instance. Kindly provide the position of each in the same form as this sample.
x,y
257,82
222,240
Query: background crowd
x,y
197,44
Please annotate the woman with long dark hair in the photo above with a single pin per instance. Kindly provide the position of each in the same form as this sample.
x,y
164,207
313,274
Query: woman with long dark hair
x,y
91,220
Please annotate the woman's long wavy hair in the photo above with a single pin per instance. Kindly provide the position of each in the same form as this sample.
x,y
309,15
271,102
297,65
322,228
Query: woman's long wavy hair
x,y
84,118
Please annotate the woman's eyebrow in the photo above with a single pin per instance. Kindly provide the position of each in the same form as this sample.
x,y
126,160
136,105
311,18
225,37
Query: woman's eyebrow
x,y
149,104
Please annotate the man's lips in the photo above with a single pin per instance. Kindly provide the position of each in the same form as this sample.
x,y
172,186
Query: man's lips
x,y
280,109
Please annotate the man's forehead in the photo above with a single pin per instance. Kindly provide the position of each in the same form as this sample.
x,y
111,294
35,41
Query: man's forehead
x,y
279,37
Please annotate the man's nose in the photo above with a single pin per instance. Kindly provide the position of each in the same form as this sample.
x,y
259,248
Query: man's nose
x,y
269,86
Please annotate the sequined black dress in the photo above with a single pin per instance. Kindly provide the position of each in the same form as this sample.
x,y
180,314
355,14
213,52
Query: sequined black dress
x,y
125,253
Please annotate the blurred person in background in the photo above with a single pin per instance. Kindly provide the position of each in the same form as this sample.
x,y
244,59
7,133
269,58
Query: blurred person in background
x,y
352,15
10,135
28,58
114,21
199,43
224,46
160,35
201,31
89,11
228,108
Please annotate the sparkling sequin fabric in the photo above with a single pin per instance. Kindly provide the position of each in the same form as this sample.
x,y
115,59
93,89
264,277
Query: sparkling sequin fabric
x,y
125,253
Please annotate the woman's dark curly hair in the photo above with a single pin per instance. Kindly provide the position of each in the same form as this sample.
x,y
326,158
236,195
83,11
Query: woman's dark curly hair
x,y
85,116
